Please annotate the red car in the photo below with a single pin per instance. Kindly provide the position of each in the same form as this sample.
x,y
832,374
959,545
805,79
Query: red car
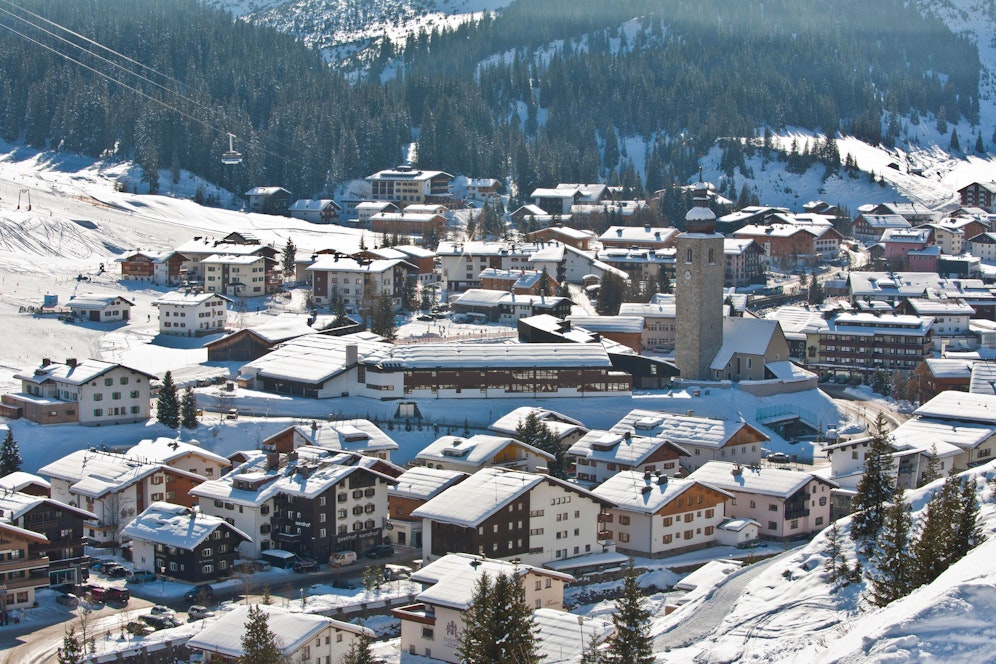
x,y
95,593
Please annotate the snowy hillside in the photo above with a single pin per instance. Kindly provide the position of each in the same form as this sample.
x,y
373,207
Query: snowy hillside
x,y
342,28
788,613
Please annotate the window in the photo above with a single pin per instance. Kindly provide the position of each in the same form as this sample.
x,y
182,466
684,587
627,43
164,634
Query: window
x,y
98,397
623,520
98,412
108,382
427,634
668,521
667,539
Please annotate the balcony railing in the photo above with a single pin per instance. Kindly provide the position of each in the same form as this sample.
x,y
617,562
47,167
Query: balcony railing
x,y
23,563
796,514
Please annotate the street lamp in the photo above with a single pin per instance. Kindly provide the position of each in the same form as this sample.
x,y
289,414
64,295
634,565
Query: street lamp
x,y
581,629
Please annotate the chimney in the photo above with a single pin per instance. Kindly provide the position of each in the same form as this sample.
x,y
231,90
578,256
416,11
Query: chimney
x,y
352,354
646,475
46,361
662,480
272,460
71,362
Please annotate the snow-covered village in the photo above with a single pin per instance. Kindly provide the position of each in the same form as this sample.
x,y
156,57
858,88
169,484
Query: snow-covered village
x,y
427,415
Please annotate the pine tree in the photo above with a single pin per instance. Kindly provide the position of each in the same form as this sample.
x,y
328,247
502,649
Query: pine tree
x,y
259,644
875,488
935,535
543,288
631,643
10,455
840,573
168,405
359,651
266,597
288,256
610,294
498,626
893,575
592,654
533,431
382,319
476,642
955,143
968,534
71,651
933,469
980,147
188,409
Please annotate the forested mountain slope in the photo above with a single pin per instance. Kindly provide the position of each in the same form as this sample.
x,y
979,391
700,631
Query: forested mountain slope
x,y
544,91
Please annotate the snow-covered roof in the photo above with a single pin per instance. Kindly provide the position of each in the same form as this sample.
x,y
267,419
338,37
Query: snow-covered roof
x,y
466,355
265,191
871,324
767,481
473,452
638,234
561,637
229,259
421,483
637,491
314,358
294,630
312,473
940,307
736,525
686,430
949,368
79,374
188,299
484,493
452,577
312,205
952,405
14,505
165,450
788,370
648,310
883,221
19,480
620,447
333,263
559,424
211,247
406,173
97,301
621,323
361,436
744,336
175,525
94,473
983,379
923,433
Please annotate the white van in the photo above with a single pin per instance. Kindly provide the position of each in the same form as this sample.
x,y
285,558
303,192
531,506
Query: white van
x,y
342,558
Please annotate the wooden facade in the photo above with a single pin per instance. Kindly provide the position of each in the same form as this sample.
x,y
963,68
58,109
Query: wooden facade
x,y
517,380
505,533
211,560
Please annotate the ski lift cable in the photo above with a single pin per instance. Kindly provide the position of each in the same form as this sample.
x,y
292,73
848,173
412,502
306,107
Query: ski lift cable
x,y
146,95
94,43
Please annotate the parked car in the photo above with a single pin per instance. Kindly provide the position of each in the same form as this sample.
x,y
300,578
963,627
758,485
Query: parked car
x,y
200,594
160,610
158,622
380,551
425,317
96,593
118,595
305,566
70,600
139,628
779,457
198,612
115,571
141,576
342,558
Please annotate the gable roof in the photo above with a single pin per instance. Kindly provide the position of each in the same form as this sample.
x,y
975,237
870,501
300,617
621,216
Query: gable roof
x,y
474,451
361,436
683,429
177,526
14,505
80,374
485,492
165,450
745,336
94,473
224,635
559,424
952,405
637,491
768,481
620,447
97,301
422,483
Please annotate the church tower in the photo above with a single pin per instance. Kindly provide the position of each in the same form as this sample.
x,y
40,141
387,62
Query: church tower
x,y
698,276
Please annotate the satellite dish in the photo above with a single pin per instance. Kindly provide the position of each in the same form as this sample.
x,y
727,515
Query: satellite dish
x,y
232,156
